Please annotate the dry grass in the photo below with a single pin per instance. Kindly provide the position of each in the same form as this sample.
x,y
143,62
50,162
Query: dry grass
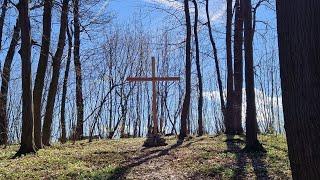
x,y
197,158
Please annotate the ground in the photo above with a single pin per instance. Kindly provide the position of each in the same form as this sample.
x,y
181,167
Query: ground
x,y
205,157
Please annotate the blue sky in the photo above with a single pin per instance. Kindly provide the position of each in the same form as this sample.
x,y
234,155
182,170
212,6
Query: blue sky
x,y
153,12
156,11
156,15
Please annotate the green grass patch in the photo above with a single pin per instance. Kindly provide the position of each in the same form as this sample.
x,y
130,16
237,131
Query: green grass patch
x,y
207,157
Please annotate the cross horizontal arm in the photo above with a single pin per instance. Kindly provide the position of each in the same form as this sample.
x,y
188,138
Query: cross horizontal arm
x,y
131,79
167,78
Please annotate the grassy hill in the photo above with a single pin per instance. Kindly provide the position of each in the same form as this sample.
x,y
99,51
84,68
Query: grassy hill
x,y
197,158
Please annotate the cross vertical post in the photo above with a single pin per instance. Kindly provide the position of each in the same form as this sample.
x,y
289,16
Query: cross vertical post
x,y
154,98
154,138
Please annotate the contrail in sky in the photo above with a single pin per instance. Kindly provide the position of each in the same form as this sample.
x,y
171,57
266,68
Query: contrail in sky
x,y
219,12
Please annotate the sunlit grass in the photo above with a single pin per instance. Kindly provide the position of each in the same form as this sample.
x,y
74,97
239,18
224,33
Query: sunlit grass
x,y
204,157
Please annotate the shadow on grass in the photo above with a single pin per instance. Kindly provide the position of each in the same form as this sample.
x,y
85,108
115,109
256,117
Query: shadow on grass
x,y
122,171
234,147
194,141
259,166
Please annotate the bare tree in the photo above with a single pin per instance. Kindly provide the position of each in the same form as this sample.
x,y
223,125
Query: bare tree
x,y
200,98
2,18
41,71
252,142
27,141
238,67
216,60
5,84
77,64
63,137
186,102
56,63
230,97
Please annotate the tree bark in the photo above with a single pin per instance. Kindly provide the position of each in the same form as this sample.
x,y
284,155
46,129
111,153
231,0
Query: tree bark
x,y
272,119
63,137
238,67
215,53
56,62
200,98
41,71
77,64
229,108
27,141
299,44
5,84
252,142
186,102
2,18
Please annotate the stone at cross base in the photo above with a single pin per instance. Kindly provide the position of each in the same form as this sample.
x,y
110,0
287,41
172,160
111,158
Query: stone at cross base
x,y
154,138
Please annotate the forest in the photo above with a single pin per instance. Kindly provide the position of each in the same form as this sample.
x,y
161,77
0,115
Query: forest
x,y
159,89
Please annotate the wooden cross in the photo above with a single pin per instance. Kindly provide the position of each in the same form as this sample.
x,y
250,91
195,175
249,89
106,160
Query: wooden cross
x,y
154,80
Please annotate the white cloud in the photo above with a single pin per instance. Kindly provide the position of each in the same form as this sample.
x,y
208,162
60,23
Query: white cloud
x,y
168,3
101,10
217,8
263,104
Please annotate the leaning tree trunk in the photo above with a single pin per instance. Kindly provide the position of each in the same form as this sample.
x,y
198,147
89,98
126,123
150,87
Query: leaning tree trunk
x,y
41,71
63,137
27,141
200,98
186,102
299,53
216,60
252,142
238,67
56,62
2,17
5,85
77,64
229,108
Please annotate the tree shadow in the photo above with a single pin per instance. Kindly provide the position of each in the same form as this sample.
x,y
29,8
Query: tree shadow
x,y
259,166
194,141
122,171
258,163
233,146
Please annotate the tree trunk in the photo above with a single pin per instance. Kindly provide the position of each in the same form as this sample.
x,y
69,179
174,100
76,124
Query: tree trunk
x,y
77,64
56,62
186,102
238,67
200,98
278,111
299,44
272,119
229,108
63,137
252,142
27,141
5,84
2,17
41,71
215,53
